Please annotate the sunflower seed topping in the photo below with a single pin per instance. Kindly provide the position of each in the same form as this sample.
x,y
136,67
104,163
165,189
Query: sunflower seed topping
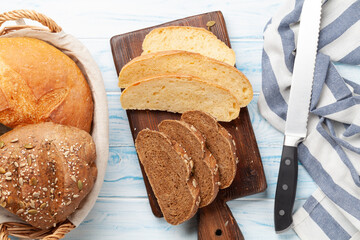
x,y
32,203
36,194
73,178
194,183
21,181
20,211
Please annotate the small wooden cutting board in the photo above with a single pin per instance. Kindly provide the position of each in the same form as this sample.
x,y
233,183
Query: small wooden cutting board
x,y
215,220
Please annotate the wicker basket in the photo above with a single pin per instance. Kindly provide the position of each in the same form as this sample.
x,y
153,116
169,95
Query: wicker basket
x,y
21,230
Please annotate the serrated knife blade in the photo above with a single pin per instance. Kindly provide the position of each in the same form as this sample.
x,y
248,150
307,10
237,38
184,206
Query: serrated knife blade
x,y
298,112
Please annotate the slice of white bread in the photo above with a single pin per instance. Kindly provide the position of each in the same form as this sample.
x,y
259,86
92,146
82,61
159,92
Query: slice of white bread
x,y
180,94
192,39
205,169
169,174
219,141
187,63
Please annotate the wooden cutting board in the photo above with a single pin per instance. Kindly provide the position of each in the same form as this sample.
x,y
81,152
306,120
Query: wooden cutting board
x,y
215,220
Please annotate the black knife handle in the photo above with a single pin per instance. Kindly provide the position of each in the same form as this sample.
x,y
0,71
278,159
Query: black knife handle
x,y
286,188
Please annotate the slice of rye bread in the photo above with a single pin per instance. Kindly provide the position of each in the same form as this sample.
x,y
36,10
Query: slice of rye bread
x,y
188,63
219,141
169,174
205,168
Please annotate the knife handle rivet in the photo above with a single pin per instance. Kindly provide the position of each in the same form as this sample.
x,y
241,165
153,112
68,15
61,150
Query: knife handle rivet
x,y
285,187
287,162
281,212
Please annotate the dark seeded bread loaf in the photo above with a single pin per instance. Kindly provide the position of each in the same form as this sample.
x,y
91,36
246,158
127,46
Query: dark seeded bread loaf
x,y
169,174
218,141
205,168
46,170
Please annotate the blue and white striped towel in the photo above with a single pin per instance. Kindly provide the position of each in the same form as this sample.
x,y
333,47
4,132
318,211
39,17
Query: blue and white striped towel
x,y
331,152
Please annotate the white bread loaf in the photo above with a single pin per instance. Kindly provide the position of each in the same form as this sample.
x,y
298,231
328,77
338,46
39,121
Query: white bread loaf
x,y
180,93
192,39
188,63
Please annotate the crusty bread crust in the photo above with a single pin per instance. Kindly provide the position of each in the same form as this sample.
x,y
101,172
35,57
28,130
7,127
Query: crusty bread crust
x,y
192,39
169,174
187,63
219,141
39,83
205,167
46,170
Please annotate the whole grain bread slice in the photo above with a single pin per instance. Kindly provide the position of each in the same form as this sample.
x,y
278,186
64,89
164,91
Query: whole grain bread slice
x,y
188,63
205,168
219,141
192,39
169,174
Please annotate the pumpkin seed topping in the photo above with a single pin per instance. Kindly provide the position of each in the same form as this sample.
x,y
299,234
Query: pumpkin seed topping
x,y
29,146
80,184
42,206
209,24
33,211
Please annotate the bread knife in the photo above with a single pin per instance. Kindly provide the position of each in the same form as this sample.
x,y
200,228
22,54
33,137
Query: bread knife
x,y
297,113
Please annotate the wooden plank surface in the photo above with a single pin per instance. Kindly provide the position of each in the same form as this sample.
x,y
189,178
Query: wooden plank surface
x,y
122,210
250,178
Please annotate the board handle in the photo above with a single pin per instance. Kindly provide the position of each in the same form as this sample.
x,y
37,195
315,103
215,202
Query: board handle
x,y
217,222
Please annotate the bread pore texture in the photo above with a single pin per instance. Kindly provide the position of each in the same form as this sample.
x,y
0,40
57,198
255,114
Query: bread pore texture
x,y
182,93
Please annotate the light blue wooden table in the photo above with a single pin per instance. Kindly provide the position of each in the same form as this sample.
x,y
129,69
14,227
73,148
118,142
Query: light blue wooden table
x,y
122,210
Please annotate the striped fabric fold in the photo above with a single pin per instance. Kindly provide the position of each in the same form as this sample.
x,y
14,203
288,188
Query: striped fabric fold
x,y
331,151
